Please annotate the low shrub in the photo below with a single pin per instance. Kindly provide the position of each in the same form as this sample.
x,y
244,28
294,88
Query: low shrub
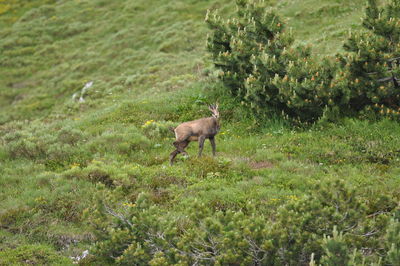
x,y
35,142
32,254
9,218
298,230
158,129
393,243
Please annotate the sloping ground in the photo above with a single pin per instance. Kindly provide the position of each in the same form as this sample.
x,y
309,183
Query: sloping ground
x,y
49,52
124,46
146,61
322,24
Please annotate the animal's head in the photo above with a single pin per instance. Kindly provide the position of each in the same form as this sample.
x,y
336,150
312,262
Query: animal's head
x,y
214,110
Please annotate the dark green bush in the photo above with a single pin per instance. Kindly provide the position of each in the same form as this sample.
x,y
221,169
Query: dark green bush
x,y
260,67
368,60
140,232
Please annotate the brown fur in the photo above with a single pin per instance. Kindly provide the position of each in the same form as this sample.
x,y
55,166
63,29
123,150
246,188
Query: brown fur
x,y
197,130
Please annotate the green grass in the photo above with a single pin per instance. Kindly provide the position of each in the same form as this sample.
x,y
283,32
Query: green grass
x,y
325,24
148,62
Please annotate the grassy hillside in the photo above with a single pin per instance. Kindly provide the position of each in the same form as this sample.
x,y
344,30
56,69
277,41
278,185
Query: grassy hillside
x,y
127,47
60,157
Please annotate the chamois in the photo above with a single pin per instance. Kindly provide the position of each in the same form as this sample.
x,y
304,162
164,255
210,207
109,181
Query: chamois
x,y
197,130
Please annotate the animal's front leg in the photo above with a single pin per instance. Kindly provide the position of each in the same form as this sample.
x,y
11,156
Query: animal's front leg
x,y
212,140
201,144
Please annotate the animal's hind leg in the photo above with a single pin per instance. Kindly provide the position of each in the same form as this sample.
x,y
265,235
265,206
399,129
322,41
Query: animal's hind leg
x,y
172,156
182,146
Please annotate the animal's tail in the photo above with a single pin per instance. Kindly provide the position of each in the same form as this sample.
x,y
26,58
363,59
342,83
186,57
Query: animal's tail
x,y
172,129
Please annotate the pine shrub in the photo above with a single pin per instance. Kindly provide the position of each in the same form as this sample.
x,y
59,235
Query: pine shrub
x,y
366,71
140,232
261,68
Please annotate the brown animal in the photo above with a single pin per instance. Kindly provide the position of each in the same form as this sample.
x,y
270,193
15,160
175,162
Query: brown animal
x,y
197,130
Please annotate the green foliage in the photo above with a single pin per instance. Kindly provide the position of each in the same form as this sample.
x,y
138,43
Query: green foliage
x,y
369,59
259,66
32,254
94,174
120,139
8,217
159,129
137,232
393,242
37,143
335,249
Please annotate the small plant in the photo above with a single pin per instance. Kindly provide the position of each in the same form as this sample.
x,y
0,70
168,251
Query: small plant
x,y
336,250
393,243
157,129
